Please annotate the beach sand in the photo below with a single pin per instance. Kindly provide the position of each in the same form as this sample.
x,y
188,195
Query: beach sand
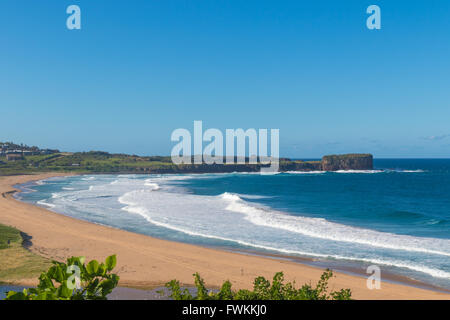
x,y
145,262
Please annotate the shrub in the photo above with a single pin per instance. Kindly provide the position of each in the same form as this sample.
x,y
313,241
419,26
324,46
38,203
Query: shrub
x,y
73,280
262,290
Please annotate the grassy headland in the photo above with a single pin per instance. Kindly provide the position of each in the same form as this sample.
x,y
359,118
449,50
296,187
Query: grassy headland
x,y
21,159
103,162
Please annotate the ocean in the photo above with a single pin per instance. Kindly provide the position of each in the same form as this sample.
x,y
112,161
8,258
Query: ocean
x,y
396,216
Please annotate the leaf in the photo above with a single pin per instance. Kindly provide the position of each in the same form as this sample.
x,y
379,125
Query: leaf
x,y
16,296
107,286
92,267
45,282
101,269
111,262
63,291
58,275
42,296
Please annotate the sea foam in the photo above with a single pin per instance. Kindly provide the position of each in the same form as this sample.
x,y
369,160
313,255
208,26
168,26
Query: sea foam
x,y
323,229
161,201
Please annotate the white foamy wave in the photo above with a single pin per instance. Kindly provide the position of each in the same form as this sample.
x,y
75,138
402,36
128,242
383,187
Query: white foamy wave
x,y
228,217
67,188
230,196
88,178
149,183
143,212
235,197
124,181
323,229
44,203
253,196
305,172
56,195
358,171
411,171
174,177
268,173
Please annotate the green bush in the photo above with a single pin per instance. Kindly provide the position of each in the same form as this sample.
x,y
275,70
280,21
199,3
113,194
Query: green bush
x,y
262,290
73,280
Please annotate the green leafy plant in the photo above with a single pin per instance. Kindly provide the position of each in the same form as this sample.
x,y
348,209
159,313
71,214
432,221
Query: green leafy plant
x,y
262,290
73,280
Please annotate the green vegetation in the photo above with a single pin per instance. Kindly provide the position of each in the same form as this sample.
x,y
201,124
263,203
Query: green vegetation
x,y
83,162
347,156
8,235
76,280
73,280
262,290
103,162
16,262
35,160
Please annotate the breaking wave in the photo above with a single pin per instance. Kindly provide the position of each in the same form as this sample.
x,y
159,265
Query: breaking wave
x,y
241,219
323,229
236,204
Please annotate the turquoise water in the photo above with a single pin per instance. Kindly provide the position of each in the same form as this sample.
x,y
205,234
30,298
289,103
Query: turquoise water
x,y
396,216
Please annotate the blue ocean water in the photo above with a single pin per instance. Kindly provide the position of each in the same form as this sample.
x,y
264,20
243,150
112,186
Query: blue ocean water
x,y
396,216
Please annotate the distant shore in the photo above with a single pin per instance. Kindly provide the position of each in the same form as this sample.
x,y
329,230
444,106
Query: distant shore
x,y
145,262
97,162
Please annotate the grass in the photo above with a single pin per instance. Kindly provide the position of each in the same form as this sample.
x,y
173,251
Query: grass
x,y
102,162
16,262
84,162
8,234
346,156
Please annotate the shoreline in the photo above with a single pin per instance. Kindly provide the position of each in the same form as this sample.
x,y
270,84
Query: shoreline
x,y
145,262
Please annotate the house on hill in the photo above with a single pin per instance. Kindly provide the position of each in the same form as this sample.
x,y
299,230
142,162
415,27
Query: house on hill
x,y
14,157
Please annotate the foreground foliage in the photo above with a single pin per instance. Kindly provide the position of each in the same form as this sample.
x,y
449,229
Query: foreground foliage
x,y
262,290
73,280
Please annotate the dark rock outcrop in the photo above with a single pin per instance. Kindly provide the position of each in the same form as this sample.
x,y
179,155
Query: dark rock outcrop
x,y
347,162
300,166
328,163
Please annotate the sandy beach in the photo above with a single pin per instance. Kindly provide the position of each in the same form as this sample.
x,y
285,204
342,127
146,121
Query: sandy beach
x,y
145,262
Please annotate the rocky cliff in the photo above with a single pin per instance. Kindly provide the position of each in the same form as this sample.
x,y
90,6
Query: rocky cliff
x,y
347,162
300,166
328,163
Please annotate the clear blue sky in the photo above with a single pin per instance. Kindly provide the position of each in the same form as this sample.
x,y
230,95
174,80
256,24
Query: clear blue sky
x,y
137,70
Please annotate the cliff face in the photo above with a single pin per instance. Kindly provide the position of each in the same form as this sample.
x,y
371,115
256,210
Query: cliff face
x,y
328,163
205,168
300,166
347,162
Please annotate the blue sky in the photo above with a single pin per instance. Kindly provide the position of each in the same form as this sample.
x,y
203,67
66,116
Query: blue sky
x,y
137,70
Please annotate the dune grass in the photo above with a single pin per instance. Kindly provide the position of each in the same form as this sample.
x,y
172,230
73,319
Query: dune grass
x,y
8,234
18,264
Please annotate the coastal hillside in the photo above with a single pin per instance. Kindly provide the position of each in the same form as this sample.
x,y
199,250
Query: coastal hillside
x,y
17,159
